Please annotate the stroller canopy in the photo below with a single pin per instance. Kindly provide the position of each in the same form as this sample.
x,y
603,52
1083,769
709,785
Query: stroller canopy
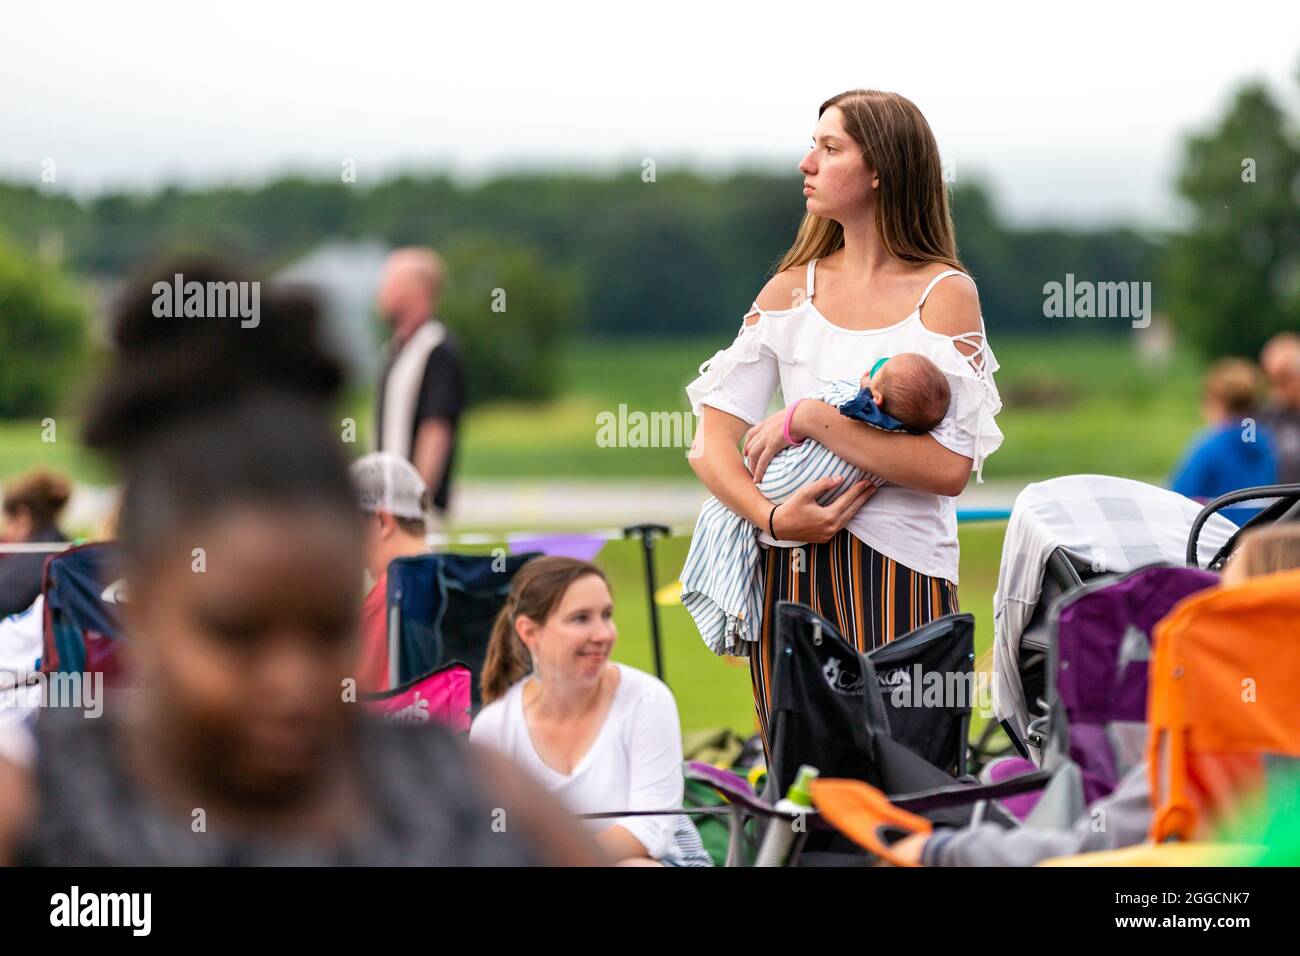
x,y
1113,525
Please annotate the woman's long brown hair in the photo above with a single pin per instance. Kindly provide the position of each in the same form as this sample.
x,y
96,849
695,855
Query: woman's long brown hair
x,y
535,592
913,216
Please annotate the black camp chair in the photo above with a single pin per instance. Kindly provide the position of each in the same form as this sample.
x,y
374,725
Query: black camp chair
x,y
873,717
830,702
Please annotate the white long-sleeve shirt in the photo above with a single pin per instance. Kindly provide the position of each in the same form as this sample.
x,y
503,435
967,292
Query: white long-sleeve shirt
x,y
635,762
20,659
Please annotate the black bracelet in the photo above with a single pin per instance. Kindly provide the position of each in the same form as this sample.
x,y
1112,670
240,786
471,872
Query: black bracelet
x,y
770,526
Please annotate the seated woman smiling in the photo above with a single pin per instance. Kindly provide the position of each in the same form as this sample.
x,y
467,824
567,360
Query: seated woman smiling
x,y
601,736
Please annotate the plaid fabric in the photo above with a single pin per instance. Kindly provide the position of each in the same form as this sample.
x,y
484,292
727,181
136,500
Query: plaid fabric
x,y
721,586
1114,523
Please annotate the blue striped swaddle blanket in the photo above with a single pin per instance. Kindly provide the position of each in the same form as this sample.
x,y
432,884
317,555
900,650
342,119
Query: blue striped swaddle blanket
x,y
721,586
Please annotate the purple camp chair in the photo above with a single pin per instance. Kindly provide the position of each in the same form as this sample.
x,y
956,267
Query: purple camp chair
x,y
1100,650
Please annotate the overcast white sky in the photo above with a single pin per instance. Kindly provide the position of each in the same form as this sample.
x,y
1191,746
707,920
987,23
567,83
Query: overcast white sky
x,y
1071,115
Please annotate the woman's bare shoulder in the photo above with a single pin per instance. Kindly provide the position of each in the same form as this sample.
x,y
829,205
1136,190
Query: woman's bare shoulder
x,y
953,306
785,290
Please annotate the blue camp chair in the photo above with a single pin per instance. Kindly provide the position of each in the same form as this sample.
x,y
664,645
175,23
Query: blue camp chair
x,y
81,629
441,608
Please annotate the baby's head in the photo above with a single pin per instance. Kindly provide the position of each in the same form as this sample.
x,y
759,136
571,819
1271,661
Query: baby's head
x,y
910,388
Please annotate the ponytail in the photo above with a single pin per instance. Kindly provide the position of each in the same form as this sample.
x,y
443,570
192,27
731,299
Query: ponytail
x,y
508,659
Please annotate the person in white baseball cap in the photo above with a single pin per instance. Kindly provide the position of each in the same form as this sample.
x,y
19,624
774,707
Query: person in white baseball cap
x,y
397,504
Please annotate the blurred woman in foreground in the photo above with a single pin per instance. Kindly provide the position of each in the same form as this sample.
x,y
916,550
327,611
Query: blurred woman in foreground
x,y
243,548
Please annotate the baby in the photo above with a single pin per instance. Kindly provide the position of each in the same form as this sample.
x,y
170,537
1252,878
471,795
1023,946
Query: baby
x,y
721,586
907,388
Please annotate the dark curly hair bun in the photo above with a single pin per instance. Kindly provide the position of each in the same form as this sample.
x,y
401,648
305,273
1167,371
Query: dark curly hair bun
x,y
250,337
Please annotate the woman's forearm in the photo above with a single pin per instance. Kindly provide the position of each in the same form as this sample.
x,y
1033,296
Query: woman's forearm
x,y
912,461
620,844
716,460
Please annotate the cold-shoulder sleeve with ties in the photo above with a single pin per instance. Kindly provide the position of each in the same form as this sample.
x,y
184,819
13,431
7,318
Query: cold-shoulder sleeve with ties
x,y
969,428
740,379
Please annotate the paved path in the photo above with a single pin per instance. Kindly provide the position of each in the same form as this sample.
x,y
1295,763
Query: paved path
x,y
540,504
535,505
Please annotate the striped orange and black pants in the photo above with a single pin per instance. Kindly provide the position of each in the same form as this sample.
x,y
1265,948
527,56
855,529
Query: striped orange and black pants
x,y
871,599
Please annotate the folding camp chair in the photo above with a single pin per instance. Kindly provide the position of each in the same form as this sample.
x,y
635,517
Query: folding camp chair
x,y
81,629
441,608
836,709
844,712
1225,703
1225,723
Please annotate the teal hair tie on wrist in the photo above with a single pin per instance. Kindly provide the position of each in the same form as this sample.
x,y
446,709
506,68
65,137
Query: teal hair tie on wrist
x,y
876,367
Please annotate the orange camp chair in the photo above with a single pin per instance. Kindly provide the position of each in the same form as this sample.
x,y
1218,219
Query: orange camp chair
x,y
1225,697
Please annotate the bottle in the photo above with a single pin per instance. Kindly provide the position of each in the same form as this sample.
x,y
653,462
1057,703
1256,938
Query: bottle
x,y
781,831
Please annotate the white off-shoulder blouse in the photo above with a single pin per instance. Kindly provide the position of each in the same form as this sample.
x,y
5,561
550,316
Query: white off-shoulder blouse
x,y
801,350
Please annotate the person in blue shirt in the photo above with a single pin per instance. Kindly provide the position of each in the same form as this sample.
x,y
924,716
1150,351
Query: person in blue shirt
x,y
1234,452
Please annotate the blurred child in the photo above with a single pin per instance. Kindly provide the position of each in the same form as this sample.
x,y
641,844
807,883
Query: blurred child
x,y
1233,452
30,513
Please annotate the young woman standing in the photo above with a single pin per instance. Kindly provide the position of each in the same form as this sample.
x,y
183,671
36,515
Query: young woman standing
x,y
864,280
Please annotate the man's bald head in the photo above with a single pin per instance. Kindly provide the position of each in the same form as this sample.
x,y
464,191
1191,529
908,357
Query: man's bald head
x,y
1280,360
410,288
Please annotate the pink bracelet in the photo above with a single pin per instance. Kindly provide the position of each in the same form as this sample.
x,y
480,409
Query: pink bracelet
x,y
789,414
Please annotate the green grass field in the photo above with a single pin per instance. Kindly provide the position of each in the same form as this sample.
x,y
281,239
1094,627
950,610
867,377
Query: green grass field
x,y
1070,405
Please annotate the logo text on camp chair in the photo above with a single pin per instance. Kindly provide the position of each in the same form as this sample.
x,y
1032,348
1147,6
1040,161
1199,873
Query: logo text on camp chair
x,y
841,679
416,712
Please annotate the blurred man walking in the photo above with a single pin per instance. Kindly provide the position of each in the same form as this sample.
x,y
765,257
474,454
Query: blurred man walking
x,y
421,391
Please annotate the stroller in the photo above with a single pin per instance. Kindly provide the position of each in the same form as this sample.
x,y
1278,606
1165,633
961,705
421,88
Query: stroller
x,y
1062,534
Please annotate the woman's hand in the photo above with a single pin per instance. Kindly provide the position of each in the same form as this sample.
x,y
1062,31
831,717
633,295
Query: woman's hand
x,y
764,440
801,518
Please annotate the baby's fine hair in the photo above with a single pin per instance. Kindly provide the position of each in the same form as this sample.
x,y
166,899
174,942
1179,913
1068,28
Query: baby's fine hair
x,y
918,393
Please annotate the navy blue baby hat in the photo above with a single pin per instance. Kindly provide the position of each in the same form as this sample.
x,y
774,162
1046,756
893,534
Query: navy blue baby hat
x,y
864,408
